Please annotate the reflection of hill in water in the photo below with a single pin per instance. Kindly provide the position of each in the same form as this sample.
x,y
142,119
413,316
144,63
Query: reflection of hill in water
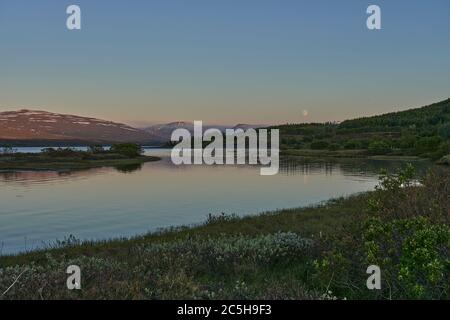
x,y
45,177
350,167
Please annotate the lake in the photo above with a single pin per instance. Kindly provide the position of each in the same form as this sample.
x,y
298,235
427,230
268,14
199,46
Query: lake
x,y
40,207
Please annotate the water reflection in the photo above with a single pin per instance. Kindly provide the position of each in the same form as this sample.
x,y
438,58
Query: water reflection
x,y
128,168
29,177
348,167
100,203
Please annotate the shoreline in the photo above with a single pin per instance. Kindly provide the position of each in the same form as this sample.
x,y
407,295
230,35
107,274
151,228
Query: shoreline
x,y
73,164
282,254
233,224
346,154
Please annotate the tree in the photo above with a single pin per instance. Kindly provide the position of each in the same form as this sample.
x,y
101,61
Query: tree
x,y
352,144
444,131
427,144
379,148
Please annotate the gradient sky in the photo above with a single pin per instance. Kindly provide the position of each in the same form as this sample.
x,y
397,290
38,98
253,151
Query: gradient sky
x,y
223,61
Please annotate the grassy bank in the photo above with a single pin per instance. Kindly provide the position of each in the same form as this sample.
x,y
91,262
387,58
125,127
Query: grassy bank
x,y
121,155
30,162
346,154
319,252
189,262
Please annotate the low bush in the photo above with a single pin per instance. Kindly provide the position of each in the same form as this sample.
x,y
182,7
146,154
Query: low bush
x,y
131,150
406,234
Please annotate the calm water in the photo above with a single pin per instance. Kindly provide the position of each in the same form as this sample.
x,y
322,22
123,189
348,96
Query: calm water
x,y
40,207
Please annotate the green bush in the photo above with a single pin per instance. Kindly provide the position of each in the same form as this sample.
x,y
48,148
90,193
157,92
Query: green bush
x,y
413,254
444,131
441,151
406,233
227,251
379,148
319,145
333,147
352,144
427,144
131,150
63,152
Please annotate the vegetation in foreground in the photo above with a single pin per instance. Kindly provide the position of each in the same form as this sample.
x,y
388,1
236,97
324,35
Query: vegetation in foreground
x,y
127,154
319,252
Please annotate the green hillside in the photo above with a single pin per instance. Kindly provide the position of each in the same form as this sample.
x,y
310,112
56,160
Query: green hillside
x,y
423,132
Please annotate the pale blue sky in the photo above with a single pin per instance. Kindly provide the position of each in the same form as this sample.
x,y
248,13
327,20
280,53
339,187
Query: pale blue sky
x,y
223,61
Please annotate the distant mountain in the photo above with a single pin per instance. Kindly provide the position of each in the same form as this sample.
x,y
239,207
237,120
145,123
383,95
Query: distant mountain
x,y
33,127
164,131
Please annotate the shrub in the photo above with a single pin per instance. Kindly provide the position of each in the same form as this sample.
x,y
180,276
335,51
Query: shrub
x,y
319,145
226,251
406,233
131,150
333,147
105,277
427,144
407,141
442,150
379,148
62,152
352,144
413,255
402,196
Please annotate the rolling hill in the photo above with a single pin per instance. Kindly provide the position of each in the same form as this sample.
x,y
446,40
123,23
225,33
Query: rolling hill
x,y
423,132
34,127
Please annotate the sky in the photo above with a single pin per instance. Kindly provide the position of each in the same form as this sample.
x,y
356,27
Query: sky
x,y
223,61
